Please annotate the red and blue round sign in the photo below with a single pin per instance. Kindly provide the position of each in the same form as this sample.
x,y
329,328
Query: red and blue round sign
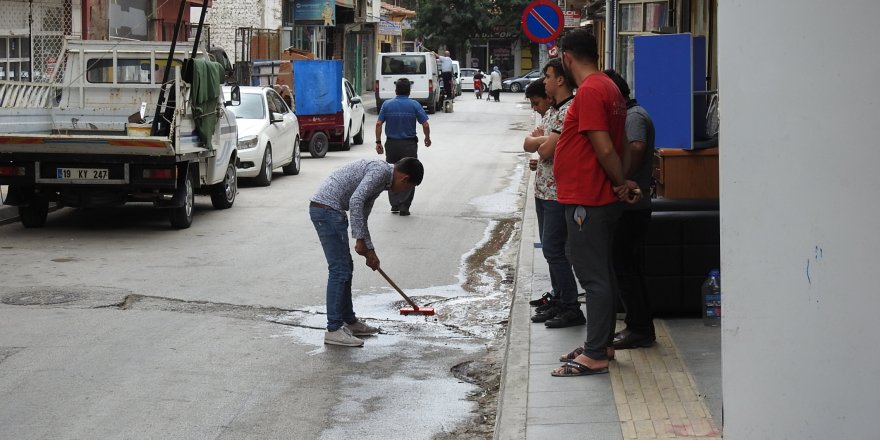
x,y
542,21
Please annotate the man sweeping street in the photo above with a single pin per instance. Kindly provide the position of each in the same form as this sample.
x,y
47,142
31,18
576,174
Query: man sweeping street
x,y
353,188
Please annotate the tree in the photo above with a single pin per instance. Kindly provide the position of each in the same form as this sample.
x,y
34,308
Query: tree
x,y
451,23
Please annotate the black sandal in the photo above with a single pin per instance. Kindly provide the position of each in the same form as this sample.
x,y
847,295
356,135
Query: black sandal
x,y
572,369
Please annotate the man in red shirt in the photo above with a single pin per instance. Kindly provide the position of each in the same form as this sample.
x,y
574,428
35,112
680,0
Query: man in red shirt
x,y
590,183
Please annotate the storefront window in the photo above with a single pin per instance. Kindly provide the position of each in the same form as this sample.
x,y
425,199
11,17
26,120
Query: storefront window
x,y
631,17
15,56
636,17
312,39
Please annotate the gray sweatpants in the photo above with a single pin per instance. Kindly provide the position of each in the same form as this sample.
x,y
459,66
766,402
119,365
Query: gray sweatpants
x,y
589,250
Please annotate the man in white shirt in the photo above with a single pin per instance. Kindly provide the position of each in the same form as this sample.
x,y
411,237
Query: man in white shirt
x,y
446,73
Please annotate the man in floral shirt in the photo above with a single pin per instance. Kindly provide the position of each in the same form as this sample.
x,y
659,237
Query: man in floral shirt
x,y
561,308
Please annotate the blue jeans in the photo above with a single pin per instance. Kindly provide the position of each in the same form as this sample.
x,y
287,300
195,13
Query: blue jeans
x,y
551,226
332,227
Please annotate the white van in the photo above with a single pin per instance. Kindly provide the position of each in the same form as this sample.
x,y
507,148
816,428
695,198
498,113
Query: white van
x,y
418,67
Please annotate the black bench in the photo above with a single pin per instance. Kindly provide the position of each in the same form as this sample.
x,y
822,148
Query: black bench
x,y
682,246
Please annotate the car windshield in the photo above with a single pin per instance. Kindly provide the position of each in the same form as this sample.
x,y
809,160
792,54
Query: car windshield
x,y
251,107
467,72
403,64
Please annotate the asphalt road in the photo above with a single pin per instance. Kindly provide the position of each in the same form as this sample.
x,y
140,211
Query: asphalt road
x,y
113,325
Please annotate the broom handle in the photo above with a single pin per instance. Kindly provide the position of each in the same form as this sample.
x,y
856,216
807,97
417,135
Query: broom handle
x,y
414,306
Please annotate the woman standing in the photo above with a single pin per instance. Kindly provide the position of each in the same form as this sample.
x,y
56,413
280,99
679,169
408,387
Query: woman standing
x,y
495,83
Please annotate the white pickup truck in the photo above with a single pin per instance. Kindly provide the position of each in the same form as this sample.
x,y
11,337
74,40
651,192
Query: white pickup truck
x,y
85,141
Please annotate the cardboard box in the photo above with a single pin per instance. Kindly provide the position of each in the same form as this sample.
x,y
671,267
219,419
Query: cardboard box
x,y
139,130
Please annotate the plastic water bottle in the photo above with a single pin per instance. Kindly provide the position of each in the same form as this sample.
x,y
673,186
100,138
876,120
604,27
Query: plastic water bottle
x,y
711,293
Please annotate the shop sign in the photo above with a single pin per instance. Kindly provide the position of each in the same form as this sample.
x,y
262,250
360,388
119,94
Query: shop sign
x,y
387,27
315,12
572,18
496,32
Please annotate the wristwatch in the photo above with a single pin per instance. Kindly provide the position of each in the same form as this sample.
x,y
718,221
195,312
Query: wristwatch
x,y
379,142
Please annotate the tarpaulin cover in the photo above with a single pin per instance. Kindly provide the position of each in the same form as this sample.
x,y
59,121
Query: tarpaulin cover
x,y
318,87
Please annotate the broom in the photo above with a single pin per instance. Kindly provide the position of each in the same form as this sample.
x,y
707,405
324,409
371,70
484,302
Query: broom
x,y
413,309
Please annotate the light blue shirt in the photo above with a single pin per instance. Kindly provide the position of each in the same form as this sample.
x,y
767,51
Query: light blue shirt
x,y
445,64
400,116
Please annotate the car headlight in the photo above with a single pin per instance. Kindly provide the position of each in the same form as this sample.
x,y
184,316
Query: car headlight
x,y
248,142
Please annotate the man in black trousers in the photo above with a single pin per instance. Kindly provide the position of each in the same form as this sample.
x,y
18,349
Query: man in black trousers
x,y
401,114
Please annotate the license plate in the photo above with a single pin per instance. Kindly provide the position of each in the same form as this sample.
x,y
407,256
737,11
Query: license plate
x,y
82,174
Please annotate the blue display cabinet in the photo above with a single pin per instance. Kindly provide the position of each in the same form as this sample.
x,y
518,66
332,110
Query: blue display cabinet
x,y
670,82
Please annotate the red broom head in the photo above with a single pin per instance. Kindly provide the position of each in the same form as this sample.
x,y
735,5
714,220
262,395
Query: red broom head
x,y
426,311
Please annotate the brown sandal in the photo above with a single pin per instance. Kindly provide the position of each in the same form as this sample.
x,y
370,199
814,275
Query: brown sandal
x,y
579,351
572,369
572,355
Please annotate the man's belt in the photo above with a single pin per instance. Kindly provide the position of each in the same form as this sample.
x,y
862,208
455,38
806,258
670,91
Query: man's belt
x,y
319,205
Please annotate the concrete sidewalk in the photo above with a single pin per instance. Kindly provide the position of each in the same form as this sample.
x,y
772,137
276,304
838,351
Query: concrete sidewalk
x,y
649,392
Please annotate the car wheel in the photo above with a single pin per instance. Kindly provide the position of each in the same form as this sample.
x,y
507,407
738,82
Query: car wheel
x,y
292,168
346,144
35,213
515,87
265,176
223,194
432,107
359,138
181,217
318,145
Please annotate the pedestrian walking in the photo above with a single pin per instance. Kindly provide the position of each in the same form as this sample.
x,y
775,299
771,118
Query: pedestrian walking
x,y
632,229
590,183
401,114
495,84
562,308
353,188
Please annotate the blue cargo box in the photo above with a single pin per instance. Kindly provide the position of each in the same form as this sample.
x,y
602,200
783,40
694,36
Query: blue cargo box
x,y
317,86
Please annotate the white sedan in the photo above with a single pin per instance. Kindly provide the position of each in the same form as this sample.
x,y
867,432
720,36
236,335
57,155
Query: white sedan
x,y
353,116
268,135
467,79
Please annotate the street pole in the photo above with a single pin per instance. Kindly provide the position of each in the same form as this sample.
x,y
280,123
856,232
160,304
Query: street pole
x,y
543,56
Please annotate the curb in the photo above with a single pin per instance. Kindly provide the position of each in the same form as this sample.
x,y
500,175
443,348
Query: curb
x,y
511,415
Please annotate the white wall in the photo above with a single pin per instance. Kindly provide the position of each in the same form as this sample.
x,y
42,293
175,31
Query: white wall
x,y
228,15
800,218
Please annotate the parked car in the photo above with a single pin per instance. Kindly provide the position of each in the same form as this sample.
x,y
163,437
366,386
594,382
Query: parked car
x,y
467,79
518,83
353,115
268,135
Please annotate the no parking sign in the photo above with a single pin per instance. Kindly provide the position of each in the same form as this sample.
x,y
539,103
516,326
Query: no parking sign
x,y
542,21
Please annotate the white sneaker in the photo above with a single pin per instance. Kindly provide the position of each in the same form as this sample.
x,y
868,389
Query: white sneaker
x,y
358,328
342,336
